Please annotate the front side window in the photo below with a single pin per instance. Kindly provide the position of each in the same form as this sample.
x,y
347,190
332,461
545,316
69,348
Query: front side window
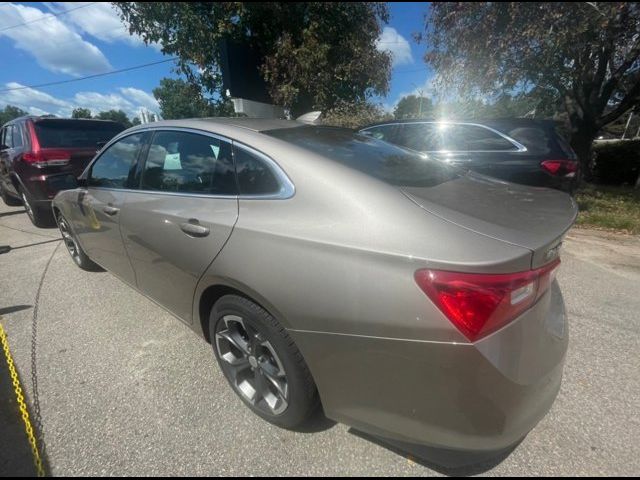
x,y
185,162
116,166
8,136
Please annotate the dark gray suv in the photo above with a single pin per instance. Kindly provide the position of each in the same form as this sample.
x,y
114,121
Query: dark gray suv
x,y
518,150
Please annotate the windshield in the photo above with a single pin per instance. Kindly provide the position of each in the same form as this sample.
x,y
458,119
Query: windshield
x,y
75,134
392,164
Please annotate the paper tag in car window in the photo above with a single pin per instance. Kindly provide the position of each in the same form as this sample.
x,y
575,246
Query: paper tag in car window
x,y
216,150
172,161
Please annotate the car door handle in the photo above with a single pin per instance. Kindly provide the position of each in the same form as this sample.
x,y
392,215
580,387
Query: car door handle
x,y
110,210
194,229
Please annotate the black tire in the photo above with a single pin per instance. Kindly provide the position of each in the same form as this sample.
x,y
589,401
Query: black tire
x,y
8,199
301,393
73,247
40,217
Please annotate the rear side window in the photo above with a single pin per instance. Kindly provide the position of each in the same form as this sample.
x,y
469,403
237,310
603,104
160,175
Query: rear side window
x,y
423,137
389,163
74,133
472,138
184,162
116,165
254,175
388,133
535,138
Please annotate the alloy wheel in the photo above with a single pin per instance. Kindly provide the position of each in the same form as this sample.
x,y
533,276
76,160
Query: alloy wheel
x,y
69,240
252,365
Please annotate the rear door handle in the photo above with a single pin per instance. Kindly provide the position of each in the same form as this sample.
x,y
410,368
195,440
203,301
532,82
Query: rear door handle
x,y
194,229
110,210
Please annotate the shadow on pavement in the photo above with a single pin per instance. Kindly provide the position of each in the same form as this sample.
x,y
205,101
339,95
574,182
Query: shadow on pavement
x,y
15,212
16,458
446,462
14,309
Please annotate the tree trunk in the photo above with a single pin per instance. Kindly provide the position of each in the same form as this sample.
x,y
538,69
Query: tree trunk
x,y
582,144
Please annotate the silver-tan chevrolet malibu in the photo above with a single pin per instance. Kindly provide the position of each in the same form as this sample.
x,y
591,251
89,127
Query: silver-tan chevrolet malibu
x,y
331,270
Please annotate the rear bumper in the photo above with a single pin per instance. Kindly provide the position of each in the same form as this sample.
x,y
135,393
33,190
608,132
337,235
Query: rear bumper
x,y
480,397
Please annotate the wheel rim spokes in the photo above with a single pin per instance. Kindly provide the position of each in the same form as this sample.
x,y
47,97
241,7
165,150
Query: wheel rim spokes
x,y
252,365
68,239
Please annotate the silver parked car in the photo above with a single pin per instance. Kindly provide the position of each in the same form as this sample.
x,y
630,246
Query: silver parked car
x,y
329,269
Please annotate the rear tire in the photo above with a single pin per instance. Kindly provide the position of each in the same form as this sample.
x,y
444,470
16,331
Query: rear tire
x,y
39,216
73,247
270,376
9,199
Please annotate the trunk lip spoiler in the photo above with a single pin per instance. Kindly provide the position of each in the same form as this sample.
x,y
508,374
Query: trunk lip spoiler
x,y
535,254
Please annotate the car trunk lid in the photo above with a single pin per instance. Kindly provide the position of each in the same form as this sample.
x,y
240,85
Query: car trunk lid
x,y
533,218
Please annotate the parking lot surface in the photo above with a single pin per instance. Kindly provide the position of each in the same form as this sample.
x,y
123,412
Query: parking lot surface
x,y
126,389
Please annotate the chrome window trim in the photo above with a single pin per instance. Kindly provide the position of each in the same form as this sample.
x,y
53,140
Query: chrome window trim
x,y
287,188
519,147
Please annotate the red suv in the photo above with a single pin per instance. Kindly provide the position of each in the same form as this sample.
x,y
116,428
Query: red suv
x,y
38,155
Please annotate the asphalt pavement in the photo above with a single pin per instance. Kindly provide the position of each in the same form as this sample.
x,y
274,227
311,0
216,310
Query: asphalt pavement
x,y
126,389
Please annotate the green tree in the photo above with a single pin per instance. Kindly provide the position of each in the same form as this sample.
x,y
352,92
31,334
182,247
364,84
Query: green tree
x,y
180,99
315,55
9,112
115,115
81,113
355,115
581,57
135,121
413,106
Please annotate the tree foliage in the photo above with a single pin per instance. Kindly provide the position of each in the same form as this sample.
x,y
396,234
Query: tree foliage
x,y
582,57
315,55
414,106
355,115
115,115
180,99
9,112
81,113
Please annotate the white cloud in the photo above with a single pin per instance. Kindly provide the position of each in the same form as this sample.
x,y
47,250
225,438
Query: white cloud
x,y
98,102
37,102
100,20
140,97
394,43
34,101
51,42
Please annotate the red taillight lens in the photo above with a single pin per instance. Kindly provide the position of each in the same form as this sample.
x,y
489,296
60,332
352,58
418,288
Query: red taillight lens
x,y
478,304
47,157
560,167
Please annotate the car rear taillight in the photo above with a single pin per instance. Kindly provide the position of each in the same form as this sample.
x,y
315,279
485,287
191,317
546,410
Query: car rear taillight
x,y
479,304
564,168
44,157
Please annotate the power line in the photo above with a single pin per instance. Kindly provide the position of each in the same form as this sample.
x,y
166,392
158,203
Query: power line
x,y
47,16
89,76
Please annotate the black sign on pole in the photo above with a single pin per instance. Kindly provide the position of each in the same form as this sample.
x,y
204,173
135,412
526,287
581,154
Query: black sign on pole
x,y
240,72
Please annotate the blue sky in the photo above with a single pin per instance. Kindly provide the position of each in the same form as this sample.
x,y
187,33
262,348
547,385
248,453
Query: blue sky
x,y
90,39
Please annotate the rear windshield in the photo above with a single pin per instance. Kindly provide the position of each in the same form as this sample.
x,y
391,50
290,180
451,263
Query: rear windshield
x,y
392,164
79,134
